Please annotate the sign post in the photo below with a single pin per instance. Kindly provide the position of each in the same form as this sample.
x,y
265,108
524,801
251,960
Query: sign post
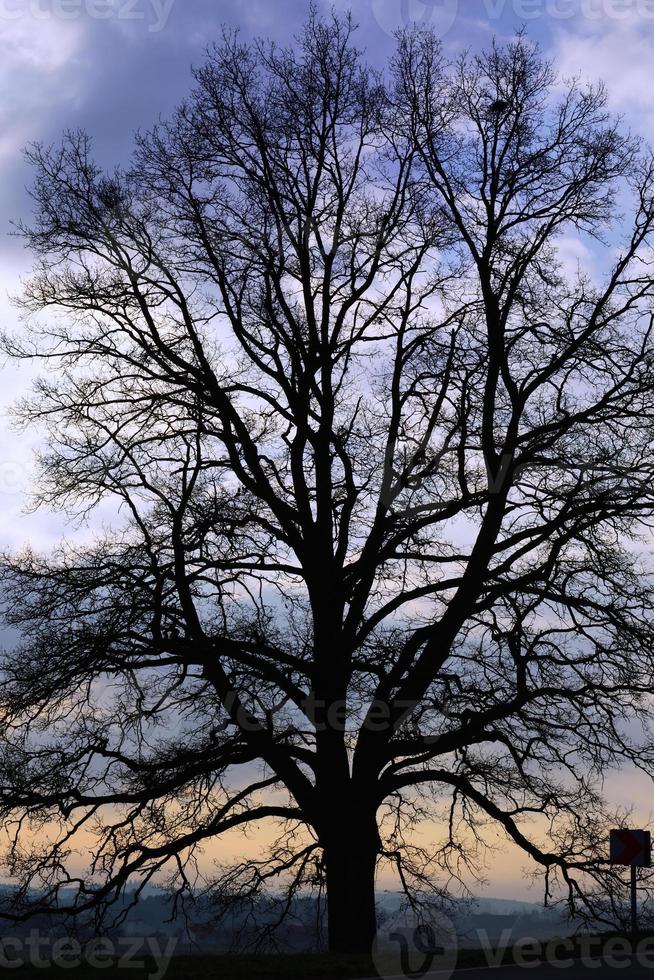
x,y
633,848
634,902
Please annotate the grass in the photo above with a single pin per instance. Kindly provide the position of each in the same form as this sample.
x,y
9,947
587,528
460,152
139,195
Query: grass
x,y
297,966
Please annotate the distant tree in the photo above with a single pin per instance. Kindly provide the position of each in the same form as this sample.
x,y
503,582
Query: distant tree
x,y
374,466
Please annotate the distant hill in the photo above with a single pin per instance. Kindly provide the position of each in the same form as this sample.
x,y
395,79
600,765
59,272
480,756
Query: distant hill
x,y
200,930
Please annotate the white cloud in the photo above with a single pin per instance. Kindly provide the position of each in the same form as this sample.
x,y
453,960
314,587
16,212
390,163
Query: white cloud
x,y
38,71
617,53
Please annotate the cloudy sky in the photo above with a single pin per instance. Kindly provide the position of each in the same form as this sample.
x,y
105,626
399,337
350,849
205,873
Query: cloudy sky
x,y
113,66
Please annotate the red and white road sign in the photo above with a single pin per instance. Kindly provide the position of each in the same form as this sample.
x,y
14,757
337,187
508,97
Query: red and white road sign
x,y
631,847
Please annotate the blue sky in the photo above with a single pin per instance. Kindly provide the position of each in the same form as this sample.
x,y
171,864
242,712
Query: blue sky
x,y
112,66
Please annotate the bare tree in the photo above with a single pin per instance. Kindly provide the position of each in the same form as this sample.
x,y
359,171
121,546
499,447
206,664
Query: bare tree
x,y
376,469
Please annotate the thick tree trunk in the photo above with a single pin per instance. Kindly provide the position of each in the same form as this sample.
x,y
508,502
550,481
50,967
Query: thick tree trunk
x,y
350,865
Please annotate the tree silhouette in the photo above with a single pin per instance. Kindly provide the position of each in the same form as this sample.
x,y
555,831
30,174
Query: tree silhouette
x,y
375,472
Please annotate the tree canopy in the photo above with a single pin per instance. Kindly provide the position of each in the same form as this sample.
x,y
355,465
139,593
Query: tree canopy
x,y
380,465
